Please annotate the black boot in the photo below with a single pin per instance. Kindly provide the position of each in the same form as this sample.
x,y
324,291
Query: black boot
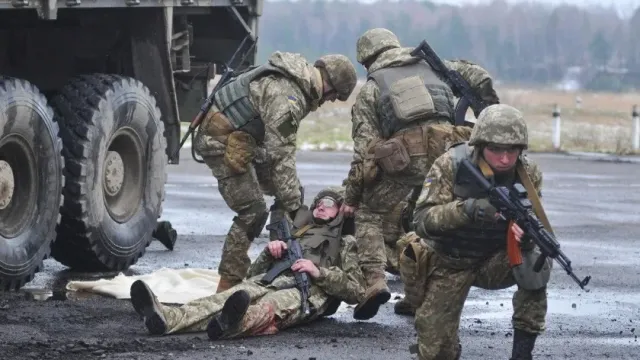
x,y
147,305
523,343
230,316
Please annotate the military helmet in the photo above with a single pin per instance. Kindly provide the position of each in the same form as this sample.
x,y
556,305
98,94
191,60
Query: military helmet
x,y
335,192
500,124
373,42
341,72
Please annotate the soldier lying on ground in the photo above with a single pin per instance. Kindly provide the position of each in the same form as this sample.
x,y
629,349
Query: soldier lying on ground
x,y
248,140
251,308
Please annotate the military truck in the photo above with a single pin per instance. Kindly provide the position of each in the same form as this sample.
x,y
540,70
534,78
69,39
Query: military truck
x,y
92,94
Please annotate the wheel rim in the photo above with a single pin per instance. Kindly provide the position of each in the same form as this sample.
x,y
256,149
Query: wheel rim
x,y
18,190
123,175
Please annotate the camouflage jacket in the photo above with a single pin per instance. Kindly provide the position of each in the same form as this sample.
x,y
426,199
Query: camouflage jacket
x,y
364,116
438,209
282,103
344,282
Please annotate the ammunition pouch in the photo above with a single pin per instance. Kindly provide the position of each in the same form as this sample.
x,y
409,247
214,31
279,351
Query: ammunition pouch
x,y
415,263
526,277
439,137
240,151
392,156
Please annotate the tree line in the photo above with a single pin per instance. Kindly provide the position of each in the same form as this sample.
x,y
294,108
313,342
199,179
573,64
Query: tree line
x,y
520,43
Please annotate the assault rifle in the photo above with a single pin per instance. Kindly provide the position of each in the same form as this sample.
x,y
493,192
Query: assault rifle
x,y
455,81
514,205
294,252
227,74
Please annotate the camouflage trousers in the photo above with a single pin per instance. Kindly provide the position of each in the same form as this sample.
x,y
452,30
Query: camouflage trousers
x,y
271,310
392,232
244,194
379,202
447,287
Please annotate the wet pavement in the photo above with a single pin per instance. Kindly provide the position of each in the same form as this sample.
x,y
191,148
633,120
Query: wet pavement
x,y
592,205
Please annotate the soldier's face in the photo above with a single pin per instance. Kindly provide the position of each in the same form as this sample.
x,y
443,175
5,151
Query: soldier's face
x,y
501,158
326,209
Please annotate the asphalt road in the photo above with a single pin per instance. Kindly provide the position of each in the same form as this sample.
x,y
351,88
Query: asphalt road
x,y
593,206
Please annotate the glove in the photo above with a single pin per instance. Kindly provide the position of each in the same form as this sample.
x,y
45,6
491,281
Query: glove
x,y
480,210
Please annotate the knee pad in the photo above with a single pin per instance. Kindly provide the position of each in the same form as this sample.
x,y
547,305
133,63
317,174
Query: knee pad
x,y
253,228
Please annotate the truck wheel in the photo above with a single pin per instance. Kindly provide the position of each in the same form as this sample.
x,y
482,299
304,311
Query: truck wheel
x,y
31,181
115,150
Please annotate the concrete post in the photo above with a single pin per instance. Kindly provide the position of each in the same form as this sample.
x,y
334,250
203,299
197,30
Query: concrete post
x,y
556,127
636,128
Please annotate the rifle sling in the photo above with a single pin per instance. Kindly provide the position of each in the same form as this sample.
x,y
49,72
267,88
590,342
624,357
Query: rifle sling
x,y
532,194
303,230
533,197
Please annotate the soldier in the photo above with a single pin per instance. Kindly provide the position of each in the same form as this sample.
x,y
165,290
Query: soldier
x,y
464,239
251,308
402,104
248,139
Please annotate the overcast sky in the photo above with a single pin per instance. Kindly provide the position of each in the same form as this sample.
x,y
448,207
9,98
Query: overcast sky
x,y
625,7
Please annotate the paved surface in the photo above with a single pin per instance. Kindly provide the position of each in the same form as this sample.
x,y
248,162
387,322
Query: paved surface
x,y
592,204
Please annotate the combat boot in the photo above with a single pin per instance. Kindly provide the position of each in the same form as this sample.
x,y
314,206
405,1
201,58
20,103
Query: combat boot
x,y
225,284
403,307
523,343
377,294
147,305
230,316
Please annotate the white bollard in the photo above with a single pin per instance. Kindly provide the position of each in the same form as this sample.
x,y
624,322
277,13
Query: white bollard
x,y
636,128
556,127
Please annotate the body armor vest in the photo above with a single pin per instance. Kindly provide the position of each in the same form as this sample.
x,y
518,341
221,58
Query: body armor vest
x,y
320,243
411,95
233,100
476,239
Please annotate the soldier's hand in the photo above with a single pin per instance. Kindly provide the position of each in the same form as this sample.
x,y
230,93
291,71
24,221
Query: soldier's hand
x,y
304,265
277,248
347,210
517,232
481,210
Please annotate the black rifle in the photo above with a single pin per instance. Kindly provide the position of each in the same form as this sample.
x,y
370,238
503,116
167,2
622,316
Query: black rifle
x,y
455,81
226,76
293,253
514,205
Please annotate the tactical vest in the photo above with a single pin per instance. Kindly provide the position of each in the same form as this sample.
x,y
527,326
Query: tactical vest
x,y
321,243
233,100
411,95
476,239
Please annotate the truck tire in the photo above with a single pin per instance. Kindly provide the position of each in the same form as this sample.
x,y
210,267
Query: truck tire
x,y
114,147
31,181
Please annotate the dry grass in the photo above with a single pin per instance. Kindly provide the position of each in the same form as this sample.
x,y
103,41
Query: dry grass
x,y
602,123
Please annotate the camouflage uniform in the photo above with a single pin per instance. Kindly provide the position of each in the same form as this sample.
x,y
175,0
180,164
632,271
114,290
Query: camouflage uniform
x,y
464,250
277,306
380,51
248,139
